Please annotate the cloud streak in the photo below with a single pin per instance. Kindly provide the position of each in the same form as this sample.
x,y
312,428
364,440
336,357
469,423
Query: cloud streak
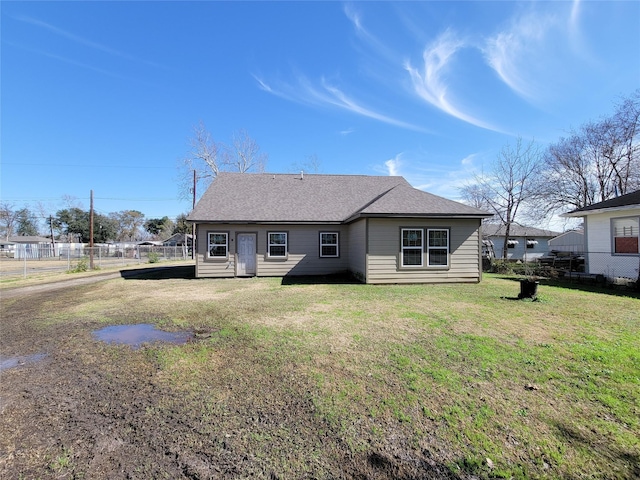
x,y
326,94
80,40
429,82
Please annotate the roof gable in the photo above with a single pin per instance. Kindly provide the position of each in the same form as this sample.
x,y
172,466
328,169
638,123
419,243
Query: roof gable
x,y
287,198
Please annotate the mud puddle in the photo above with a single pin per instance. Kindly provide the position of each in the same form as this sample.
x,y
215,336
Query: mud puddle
x,y
138,334
12,362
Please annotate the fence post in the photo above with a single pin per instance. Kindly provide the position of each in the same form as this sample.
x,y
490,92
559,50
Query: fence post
x,y
25,262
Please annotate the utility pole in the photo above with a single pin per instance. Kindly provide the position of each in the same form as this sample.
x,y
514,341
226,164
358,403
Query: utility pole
x,y
91,231
193,225
53,240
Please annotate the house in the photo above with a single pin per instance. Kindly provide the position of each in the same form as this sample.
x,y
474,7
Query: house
x,y
31,246
178,240
524,243
611,236
571,241
380,229
7,248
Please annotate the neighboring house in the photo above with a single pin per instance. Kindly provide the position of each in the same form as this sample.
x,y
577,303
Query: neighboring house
x,y
178,240
32,246
571,241
380,229
7,248
611,236
524,243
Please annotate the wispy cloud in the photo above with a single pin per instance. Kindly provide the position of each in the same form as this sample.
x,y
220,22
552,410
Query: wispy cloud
x,y
69,61
430,82
421,173
515,52
80,40
393,165
323,93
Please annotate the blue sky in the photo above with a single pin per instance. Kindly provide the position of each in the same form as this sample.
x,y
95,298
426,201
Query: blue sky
x,y
104,96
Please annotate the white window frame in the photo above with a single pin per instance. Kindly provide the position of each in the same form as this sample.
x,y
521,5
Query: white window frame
x,y
270,244
325,244
631,233
210,245
406,248
431,248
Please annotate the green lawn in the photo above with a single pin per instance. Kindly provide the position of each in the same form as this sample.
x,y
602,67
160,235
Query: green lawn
x,y
461,376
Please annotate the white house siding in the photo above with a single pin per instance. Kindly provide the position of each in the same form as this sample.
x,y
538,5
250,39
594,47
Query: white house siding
x,y
383,254
520,251
303,243
357,248
568,242
600,259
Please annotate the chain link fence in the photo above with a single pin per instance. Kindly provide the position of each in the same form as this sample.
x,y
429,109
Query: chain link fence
x,y
36,259
595,267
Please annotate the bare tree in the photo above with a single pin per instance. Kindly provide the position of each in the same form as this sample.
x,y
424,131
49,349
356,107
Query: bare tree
x,y
507,185
593,164
311,164
8,219
243,155
207,158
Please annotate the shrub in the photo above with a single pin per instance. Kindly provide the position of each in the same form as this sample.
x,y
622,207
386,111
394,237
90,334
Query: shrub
x,y
81,266
154,257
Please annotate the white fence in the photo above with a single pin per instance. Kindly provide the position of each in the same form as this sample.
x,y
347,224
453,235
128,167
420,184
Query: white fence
x,y
30,259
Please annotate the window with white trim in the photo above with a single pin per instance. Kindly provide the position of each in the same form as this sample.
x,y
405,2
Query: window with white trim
x,y
277,244
412,247
625,234
329,244
437,247
218,244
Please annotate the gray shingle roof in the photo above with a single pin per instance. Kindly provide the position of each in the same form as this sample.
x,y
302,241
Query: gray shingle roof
x,y
516,230
627,200
284,198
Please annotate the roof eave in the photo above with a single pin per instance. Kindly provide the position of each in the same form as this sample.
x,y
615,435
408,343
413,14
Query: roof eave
x,y
582,213
416,215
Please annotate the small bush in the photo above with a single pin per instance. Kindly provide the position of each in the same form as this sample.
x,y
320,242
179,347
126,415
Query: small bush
x,y
154,257
81,266
502,267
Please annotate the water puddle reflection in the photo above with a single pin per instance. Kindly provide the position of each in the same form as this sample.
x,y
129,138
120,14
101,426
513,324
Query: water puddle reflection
x,y
11,362
136,335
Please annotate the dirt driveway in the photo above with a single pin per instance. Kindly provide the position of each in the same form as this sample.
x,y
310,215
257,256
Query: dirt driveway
x,y
72,407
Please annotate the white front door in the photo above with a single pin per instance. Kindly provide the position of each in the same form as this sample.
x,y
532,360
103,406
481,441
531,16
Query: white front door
x,y
246,254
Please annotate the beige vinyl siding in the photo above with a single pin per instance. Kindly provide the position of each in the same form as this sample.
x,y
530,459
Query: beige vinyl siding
x,y
303,251
357,248
209,267
383,257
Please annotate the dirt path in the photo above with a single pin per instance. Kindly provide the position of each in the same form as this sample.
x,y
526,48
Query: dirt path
x,y
100,277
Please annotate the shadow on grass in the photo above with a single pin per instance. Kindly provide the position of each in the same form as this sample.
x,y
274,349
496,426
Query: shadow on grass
x,y
160,273
626,463
616,290
336,279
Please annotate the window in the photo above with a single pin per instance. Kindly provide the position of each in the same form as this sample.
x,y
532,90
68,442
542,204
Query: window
x,y
512,242
438,247
531,243
218,244
328,244
412,246
277,244
625,235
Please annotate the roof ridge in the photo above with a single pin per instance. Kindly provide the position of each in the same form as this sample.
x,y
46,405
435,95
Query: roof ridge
x,y
371,202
